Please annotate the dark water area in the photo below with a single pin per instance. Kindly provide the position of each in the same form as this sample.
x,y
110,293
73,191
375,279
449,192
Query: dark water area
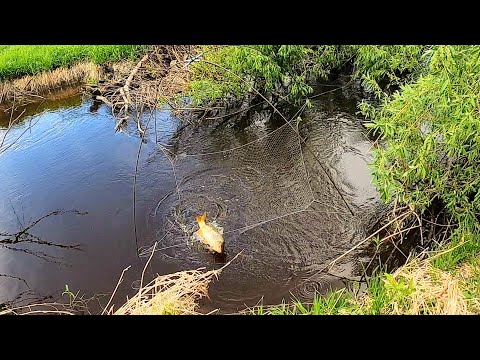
x,y
68,157
275,203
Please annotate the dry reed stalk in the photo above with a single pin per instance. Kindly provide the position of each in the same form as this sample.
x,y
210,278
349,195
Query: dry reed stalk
x,y
77,305
46,308
172,294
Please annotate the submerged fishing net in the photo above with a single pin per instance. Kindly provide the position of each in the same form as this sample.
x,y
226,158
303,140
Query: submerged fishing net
x,y
257,182
271,194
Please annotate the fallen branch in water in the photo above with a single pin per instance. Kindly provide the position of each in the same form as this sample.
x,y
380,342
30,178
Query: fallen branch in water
x,y
126,85
105,100
125,91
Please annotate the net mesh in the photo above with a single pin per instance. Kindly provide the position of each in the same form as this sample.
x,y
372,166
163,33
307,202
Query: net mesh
x,y
257,182
269,191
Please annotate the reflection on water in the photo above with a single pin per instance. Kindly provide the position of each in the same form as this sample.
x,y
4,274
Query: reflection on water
x,y
286,245
69,97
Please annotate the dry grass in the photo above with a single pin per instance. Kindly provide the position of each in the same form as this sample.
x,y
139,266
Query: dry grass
x,y
420,288
469,274
171,294
36,85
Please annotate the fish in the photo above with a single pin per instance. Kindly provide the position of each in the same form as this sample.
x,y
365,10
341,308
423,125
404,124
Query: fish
x,y
209,235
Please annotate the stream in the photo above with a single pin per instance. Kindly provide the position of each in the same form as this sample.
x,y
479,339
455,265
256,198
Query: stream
x,y
68,189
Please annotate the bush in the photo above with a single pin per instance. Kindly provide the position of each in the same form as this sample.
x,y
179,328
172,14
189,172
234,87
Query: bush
x,y
284,70
430,141
427,115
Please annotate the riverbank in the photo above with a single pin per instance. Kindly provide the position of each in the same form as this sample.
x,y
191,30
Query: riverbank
x,y
22,60
29,72
417,288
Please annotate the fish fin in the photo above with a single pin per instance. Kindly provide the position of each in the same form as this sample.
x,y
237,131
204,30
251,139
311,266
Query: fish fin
x,y
200,236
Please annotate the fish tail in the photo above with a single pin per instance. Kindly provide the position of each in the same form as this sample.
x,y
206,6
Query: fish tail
x,y
201,218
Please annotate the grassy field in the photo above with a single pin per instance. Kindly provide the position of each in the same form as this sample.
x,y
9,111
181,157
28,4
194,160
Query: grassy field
x,y
21,60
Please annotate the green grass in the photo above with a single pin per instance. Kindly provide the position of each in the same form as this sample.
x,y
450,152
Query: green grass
x,y
20,60
471,285
334,303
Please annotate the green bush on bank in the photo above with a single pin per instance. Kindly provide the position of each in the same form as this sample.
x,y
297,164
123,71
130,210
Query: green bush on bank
x,y
285,70
290,71
430,144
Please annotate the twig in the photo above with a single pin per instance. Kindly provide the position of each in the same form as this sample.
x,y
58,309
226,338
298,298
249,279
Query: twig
x,y
16,278
116,287
235,112
10,125
148,262
125,91
139,115
104,99
159,203
447,251
47,312
135,189
126,87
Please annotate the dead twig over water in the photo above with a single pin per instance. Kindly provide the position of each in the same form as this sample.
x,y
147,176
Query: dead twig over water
x,y
10,241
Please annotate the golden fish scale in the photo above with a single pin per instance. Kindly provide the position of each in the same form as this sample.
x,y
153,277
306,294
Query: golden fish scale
x,y
209,235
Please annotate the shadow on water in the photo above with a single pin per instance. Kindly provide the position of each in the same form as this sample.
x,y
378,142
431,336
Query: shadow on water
x,y
288,219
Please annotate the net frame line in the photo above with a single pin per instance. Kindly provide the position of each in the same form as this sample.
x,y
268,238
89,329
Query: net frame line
x,y
288,123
